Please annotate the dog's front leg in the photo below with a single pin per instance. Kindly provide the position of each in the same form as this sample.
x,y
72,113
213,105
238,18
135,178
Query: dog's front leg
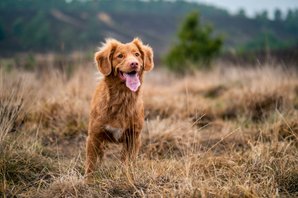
x,y
94,150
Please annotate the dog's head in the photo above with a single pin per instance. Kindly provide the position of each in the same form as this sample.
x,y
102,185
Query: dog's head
x,y
125,61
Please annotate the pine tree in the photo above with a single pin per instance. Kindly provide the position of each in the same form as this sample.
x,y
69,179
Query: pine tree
x,y
196,47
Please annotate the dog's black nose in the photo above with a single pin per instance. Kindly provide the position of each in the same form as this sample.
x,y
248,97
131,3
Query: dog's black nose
x,y
134,65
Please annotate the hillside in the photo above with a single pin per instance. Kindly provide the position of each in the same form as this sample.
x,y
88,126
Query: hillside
x,y
29,25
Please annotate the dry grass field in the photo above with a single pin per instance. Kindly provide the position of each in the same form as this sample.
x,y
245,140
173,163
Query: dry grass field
x,y
228,132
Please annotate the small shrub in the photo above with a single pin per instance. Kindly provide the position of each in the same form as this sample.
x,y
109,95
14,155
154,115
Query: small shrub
x,y
196,47
30,62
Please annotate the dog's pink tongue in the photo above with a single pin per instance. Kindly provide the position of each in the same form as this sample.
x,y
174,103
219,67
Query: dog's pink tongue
x,y
132,81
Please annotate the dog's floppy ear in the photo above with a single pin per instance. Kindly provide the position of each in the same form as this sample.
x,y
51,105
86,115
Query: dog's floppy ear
x,y
103,57
147,54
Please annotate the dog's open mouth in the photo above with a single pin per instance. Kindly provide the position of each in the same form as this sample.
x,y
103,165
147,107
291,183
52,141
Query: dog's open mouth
x,y
132,80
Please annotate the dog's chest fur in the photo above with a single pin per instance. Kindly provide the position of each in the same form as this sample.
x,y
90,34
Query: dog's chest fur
x,y
116,110
122,105
122,111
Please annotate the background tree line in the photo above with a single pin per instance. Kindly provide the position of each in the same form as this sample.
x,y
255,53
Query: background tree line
x,y
65,25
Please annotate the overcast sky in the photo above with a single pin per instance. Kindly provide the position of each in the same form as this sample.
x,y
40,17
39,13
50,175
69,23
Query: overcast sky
x,y
253,6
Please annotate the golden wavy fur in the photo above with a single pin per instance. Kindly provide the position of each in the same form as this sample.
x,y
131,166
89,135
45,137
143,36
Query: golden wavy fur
x,y
117,112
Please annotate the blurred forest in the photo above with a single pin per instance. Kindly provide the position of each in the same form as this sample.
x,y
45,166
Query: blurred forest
x,y
78,25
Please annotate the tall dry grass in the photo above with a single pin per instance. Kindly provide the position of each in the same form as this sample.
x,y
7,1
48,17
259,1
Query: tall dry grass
x,y
229,132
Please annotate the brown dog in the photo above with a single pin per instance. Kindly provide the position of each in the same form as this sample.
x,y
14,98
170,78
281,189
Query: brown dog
x,y
117,113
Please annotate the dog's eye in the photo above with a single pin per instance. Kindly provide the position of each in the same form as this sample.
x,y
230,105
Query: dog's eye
x,y
120,56
137,54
